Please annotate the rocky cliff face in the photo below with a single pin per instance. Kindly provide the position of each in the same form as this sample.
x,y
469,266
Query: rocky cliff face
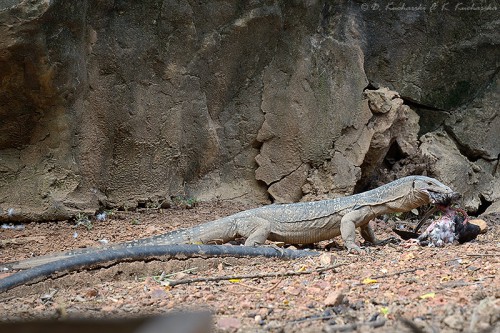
x,y
128,103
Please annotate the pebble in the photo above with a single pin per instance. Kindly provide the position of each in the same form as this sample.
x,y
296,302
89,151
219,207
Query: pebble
x,y
263,312
481,224
326,259
228,323
246,305
334,298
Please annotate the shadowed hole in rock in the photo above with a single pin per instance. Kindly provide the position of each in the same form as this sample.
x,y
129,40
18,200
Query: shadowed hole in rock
x,y
371,174
483,206
394,154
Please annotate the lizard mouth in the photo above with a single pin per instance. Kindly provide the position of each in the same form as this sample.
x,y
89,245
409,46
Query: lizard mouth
x,y
444,199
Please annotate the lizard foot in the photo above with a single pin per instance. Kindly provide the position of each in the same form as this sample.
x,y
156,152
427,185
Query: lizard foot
x,y
390,240
277,248
353,248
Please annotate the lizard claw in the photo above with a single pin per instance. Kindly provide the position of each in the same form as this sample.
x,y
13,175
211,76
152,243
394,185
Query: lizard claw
x,y
353,248
277,248
390,240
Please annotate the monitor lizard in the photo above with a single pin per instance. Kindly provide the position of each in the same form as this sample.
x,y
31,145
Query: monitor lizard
x,y
294,223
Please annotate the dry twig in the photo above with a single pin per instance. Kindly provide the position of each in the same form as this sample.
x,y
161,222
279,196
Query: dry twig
x,y
397,273
312,319
252,276
265,291
355,326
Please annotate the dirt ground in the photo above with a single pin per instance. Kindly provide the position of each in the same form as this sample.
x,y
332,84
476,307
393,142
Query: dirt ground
x,y
450,289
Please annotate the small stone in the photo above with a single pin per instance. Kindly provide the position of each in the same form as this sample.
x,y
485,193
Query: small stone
x,y
158,293
108,308
481,224
229,323
325,259
263,312
79,298
150,230
294,291
314,290
91,293
324,285
246,305
258,320
334,298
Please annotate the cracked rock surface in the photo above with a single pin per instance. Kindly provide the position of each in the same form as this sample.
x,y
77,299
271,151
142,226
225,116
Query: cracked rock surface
x,y
134,104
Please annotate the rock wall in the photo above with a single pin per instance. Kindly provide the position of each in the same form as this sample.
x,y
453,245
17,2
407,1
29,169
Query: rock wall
x,y
466,152
127,103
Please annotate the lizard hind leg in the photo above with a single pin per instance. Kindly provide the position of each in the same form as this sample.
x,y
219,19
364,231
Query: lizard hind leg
x,y
368,234
256,230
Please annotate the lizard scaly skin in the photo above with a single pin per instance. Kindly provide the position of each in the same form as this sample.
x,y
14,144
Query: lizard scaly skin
x,y
297,223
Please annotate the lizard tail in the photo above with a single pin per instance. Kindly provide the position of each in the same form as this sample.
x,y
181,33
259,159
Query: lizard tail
x,y
217,231
200,234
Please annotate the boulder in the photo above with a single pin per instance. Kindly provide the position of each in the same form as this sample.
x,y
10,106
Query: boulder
x,y
474,180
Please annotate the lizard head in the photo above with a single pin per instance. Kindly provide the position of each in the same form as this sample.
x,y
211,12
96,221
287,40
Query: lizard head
x,y
436,192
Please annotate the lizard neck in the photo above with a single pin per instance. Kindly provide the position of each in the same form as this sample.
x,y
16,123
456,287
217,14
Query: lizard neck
x,y
414,199
403,203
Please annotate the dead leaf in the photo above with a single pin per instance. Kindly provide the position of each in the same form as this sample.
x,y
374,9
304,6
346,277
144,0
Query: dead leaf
x,y
384,311
369,281
428,295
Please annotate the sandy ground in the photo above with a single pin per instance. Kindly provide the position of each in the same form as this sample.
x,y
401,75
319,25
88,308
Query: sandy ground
x,y
450,289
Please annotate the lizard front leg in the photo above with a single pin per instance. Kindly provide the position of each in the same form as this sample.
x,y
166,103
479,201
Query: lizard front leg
x,y
348,224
